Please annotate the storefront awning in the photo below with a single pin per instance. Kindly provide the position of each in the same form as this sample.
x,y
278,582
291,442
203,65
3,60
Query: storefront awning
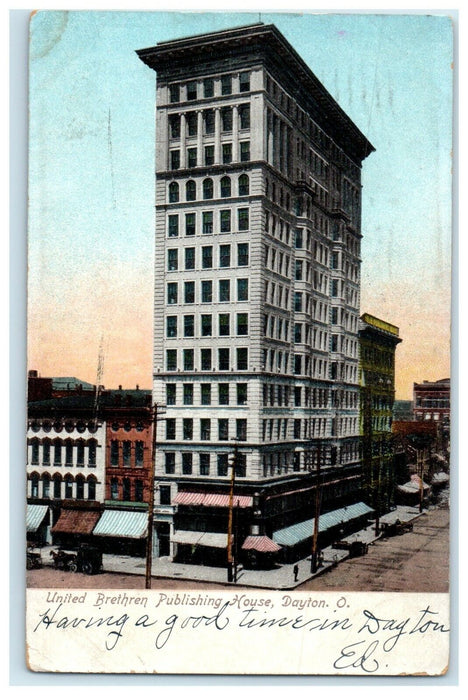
x,y
35,514
260,543
202,539
76,522
122,523
413,487
289,536
213,500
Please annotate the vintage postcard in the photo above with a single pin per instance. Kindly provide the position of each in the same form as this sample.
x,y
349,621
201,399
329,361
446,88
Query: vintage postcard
x,y
238,419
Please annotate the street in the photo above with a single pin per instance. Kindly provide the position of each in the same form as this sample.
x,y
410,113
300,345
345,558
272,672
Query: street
x,y
415,561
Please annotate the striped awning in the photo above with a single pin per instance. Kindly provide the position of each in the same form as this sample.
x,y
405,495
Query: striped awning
x,y
260,543
213,500
202,539
76,522
122,523
35,514
289,536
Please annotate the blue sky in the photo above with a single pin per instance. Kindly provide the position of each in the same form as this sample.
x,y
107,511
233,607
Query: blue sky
x,y
91,186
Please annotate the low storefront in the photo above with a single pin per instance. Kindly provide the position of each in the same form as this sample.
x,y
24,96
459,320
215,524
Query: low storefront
x,y
122,532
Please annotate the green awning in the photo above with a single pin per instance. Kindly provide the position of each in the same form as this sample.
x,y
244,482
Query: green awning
x,y
291,535
122,523
35,514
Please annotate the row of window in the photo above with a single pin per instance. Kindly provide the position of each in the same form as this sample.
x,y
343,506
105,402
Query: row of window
x,y
207,223
209,121
186,426
126,453
69,425
188,463
75,452
126,489
208,393
239,357
205,325
223,85
193,158
58,487
208,190
224,258
206,292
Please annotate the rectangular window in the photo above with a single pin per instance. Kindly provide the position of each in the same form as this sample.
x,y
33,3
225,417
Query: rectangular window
x,y
189,258
224,290
241,429
175,159
243,219
298,273
126,452
242,289
170,462
227,153
189,326
171,360
223,359
190,224
299,238
207,291
298,301
174,93
208,87
224,255
171,394
242,358
334,314
242,254
226,85
191,157
204,463
298,332
223,394
225,220
172,293
209,121
207,222
191,120
209,155
206,325
244,82
188,394
192,90
241,465
174,126
297,428
226,119
224,324
189,292
188,360
187,462
244,151
114,456
223,429
244,116
171,327
223,464
172,259
205,429
242,324
206,363
170,428
297,364
173,225
187,428
334,288
297,395
241,394
206,394
207,257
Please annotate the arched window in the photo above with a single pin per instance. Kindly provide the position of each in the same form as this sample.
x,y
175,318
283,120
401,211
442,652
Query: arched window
x,y
114,494
35,451
46,451
35,485
208,188
80,487
126,490
68,453
243,185
91,488
45,486
57,452
190,191
57,486
225,186
92,446
68,486
80,445
173,192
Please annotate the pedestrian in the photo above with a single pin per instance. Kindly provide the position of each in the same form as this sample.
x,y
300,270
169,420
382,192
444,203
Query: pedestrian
x,y
295,572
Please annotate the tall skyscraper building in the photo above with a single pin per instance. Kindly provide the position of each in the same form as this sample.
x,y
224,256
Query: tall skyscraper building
x,y
257,285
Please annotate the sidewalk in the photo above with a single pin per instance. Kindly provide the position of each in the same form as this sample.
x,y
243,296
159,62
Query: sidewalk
x,y
280,578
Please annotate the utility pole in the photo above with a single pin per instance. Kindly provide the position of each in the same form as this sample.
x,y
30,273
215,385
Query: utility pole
x,y
420,460
313,563
230,558
149,536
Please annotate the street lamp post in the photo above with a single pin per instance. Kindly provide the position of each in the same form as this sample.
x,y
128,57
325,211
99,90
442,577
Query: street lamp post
x,y
313,561
230,557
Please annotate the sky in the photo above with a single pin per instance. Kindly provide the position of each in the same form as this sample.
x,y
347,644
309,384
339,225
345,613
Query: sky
x,y
91,179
